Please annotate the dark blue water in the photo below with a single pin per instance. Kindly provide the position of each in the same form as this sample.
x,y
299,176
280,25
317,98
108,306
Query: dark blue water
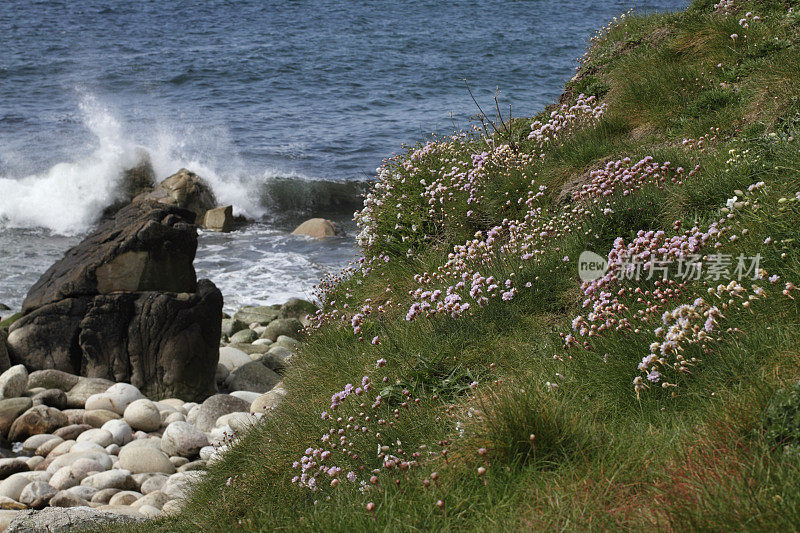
x,y
246,93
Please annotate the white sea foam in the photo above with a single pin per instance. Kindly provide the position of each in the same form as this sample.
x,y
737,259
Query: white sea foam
x,y
68,198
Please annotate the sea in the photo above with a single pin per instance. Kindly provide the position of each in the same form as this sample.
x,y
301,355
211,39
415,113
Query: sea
x,y
284,107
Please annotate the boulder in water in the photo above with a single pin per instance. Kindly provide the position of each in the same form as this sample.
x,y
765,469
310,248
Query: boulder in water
x,y
319,228
219,219
183,189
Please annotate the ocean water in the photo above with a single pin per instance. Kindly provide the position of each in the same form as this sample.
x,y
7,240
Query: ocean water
x,y
284,107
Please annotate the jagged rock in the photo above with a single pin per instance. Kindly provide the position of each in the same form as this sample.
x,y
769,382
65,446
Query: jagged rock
x,y
319,228
65,519
134,181
219,219
183,189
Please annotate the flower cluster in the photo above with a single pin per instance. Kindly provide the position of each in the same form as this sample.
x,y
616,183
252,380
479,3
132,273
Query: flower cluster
x,y
584,112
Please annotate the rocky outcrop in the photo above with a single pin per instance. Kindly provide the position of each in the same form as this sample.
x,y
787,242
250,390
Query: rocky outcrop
x,y
183,189
319,228
125,305
219,219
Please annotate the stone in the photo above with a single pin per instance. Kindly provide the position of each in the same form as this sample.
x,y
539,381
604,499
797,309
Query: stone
x,y
110,479
232,358
101,437
291,327
5,359
183,189
145,460
155,498
288,342
117,398
153,484
173,417
87,446
105,495
10,410
149,511
259,314
179,485
262,342
72,431
83,492
297,308
217,437
63,498
253,377
124,305
199,464
172,507
97,418
82,461
216,406
34,462
51,398
48,446
120,431
9,504
65,520
280,351
11,466
143,415
37,494
113,449
250,349
241,423
13,382
74,416
178,462
31,443
319,228
125,497
12,486
37,419
135,444
65,478
246,395
244,336
219,219
181,438
85,388
231,326
52,379
63,448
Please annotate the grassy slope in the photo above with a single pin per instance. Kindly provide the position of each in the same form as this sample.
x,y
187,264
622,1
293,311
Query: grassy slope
x,y
691,455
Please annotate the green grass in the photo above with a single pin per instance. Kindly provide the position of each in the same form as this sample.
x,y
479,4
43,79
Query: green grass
x,y
568,443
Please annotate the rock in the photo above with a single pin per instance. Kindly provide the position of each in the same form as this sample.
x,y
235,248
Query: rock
x,y
97,418
52,398
250,349
155,498
241,423
183,189
9,504
110,479
145,460
217,437
37,494
34,462
82,461
63,448
11,409
13,382
231,326
154,484
101,437
74,416
124,305
319,228
113,449
125,497
291,327
33,442
268,401
84,389
83,492
144,415
246,395
181,438
173,417
105,495
172,507
178,462
11,466
297,308
216,406
137,444
219,219
281,352
232,358
52,379
149,511
193,466
65,478
38,419
253,377
120,431
117,398
221,374
5,360
179,485
12,486
244,336
287,342
48,446
67,499
65,519
87,446
72,431
261,314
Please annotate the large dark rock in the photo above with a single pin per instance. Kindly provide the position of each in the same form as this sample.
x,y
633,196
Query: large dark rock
x,y
124,305
5,362
146,246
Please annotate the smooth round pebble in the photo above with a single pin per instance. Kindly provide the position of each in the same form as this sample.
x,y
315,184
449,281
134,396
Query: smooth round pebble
x,y
143,415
